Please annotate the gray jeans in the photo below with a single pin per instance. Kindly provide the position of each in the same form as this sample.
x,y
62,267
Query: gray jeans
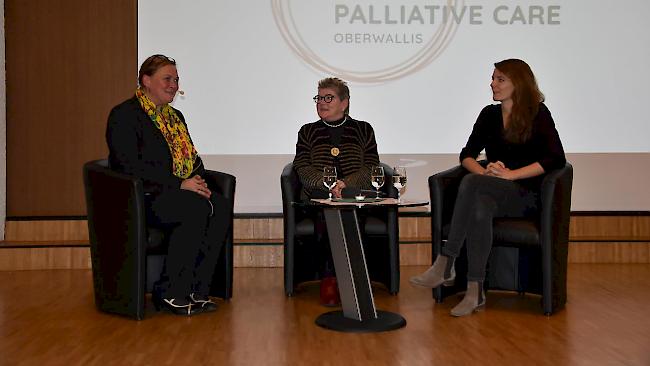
x,y
480,199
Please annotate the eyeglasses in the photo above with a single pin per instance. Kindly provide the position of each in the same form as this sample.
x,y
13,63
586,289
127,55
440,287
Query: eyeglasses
x,y
326,98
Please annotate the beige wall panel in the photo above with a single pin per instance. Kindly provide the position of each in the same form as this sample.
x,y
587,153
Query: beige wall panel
x,y
415,254
610,226
272,255
610,252
269,230
12,259
259,256
46,230
254,228
408,228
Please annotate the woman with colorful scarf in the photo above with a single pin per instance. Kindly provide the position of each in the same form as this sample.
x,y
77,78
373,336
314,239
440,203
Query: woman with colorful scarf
x,y
148,138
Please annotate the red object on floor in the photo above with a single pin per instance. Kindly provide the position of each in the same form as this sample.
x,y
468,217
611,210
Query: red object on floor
x,y
329,292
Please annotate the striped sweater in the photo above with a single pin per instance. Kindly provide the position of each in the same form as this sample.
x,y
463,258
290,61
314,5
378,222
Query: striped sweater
x,y
358,154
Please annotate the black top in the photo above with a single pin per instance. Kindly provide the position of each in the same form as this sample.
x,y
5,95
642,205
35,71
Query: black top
x,y
137,147
358,153
543,146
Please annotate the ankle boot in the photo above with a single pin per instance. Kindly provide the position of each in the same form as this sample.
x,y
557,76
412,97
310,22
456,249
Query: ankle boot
x,y
442,272
329,292
474,300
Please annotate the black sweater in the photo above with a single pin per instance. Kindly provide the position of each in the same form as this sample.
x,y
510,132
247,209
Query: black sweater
x,y
358,154
543,146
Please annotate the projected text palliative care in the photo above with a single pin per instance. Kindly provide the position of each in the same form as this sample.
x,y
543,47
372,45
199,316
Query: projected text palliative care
x,y
435,14
426,15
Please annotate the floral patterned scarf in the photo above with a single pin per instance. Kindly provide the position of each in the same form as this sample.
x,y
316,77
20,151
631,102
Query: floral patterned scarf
x,y
178,139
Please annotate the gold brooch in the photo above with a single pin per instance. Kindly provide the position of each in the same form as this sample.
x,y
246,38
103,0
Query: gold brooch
x,y
335,151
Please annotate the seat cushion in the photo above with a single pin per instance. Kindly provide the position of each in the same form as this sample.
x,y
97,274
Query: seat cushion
x,y
375,226
305,227
515,232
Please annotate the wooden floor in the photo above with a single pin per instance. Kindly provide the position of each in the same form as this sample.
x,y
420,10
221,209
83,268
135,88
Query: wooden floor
x,y
48,318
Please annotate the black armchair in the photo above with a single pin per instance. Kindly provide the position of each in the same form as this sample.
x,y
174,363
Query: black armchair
x,y
127,256
380,238
527,255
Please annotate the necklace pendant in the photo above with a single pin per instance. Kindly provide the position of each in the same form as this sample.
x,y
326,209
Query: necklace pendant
x,y
335,151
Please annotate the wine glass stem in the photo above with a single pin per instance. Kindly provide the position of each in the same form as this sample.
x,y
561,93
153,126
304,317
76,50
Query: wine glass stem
x,y
398,195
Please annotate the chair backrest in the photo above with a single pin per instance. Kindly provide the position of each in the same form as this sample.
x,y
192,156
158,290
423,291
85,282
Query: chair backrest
x,y
291,186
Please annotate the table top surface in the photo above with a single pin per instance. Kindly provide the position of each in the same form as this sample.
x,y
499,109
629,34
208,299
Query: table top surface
x,y
359,203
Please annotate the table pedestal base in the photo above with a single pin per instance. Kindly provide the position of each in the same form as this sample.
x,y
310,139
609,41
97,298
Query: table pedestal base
x,y
335,320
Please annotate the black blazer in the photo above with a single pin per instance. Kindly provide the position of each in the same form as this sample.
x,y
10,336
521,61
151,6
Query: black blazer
x,y
137,147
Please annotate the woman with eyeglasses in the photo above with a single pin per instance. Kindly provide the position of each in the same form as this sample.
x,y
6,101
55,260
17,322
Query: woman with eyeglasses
x,y
149,139
521,144
335,140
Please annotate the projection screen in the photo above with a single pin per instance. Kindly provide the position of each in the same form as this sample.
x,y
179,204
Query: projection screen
x,y
419,71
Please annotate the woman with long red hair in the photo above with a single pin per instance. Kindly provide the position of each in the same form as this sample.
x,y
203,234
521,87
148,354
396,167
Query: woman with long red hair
x,y
521,144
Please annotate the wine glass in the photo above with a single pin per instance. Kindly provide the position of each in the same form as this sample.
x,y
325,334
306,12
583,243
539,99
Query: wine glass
x,y
329,178
399,180
377,177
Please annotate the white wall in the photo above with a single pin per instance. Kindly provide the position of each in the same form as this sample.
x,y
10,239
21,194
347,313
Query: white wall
x,y
601,182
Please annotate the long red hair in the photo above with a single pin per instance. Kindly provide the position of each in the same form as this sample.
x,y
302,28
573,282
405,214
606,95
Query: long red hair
x,y
526,98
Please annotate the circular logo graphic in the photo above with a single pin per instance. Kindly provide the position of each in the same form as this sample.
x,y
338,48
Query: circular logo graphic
x,y
367,41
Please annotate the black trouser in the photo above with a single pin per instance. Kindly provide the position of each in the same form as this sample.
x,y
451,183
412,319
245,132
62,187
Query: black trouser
x,y
197,229
480,199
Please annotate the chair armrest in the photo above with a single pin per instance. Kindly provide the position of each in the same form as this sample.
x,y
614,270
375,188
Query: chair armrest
x,y
290,186
556,205
443,188
222,183
555,214
115,206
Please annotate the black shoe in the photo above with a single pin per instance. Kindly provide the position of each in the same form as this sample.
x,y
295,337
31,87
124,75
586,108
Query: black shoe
x,y
176,306
202,302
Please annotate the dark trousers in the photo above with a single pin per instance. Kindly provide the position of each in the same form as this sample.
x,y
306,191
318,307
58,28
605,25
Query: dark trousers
x,y
480,199
196,231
